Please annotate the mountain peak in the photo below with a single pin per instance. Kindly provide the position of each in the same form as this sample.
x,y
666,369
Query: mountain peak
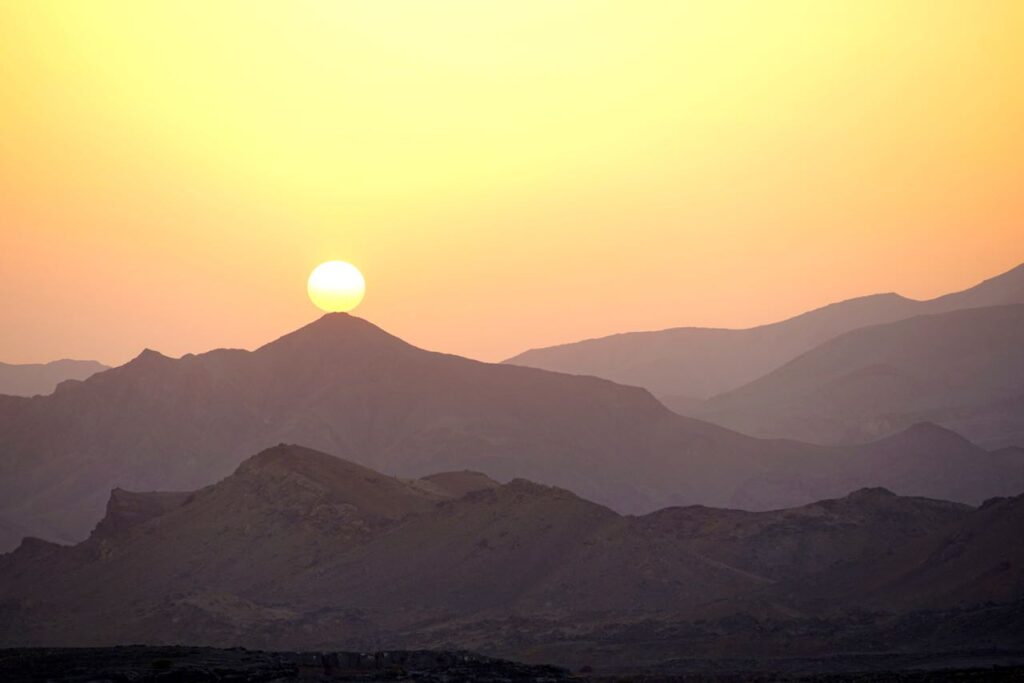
x,y
295,458
148,355
333,332
293,472
871,493
147,359
931,432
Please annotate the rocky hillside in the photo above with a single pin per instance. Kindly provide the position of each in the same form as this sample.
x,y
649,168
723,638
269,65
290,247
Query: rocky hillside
x,y
298,549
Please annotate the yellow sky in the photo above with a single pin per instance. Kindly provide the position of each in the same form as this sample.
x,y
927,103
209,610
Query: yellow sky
x,y
506,175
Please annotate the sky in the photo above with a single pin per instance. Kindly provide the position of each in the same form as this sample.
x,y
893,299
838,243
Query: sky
x,y
506,175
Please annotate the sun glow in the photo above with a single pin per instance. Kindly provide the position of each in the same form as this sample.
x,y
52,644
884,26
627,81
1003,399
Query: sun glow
x,y
336,286
720,154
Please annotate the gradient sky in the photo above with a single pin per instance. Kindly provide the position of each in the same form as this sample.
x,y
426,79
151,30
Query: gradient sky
x,y
506,175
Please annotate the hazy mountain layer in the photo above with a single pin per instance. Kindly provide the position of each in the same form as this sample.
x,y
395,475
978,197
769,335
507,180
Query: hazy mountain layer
x,y
42,378
963,370
687,364
346,387
300,549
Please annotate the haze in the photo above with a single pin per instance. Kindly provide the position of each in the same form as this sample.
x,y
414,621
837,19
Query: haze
x,y
506,177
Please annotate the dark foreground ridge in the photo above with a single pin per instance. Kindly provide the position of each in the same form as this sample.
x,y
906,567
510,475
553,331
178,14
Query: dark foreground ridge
x,y
299,550
186,664
180,664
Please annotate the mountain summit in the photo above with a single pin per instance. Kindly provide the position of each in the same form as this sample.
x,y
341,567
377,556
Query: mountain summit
x,y
335,333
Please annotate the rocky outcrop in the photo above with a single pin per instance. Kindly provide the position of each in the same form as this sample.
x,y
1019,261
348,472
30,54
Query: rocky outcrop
x,y
128,509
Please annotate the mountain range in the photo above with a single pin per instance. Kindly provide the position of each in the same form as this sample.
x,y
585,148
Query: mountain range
x,y
300,549
849,372
344,386
686,365
963,370
42,378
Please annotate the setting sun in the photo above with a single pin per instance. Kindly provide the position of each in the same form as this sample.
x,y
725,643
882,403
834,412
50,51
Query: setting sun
x,y
336,286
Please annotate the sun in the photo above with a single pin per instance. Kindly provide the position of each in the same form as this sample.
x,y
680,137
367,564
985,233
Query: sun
x,y
336,286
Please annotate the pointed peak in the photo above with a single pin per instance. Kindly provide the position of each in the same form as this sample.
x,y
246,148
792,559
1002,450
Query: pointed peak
x,y
149,355
335,332
147,359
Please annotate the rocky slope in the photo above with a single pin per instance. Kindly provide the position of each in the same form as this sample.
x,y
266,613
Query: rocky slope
x,y
298,549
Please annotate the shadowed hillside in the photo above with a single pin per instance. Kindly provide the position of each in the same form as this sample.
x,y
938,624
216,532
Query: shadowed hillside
x,y
303,550
963,370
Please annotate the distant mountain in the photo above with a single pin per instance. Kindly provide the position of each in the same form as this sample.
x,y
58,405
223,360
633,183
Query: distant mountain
x,y
302,550
963,370
685,365
42,378
344,386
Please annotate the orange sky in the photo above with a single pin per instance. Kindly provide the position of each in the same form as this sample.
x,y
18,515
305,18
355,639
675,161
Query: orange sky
x,y
506,175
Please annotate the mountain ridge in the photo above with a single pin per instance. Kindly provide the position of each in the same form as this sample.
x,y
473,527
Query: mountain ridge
x,y
341,385
685,364
257,558
34,379
954,368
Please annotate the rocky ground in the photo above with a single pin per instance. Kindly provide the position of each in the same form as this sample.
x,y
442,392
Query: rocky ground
x,y
199,664
142,663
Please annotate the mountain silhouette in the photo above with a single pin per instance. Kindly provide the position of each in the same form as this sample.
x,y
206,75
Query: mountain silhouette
x,y
685,365
963,370
42,378
344,386
299,549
